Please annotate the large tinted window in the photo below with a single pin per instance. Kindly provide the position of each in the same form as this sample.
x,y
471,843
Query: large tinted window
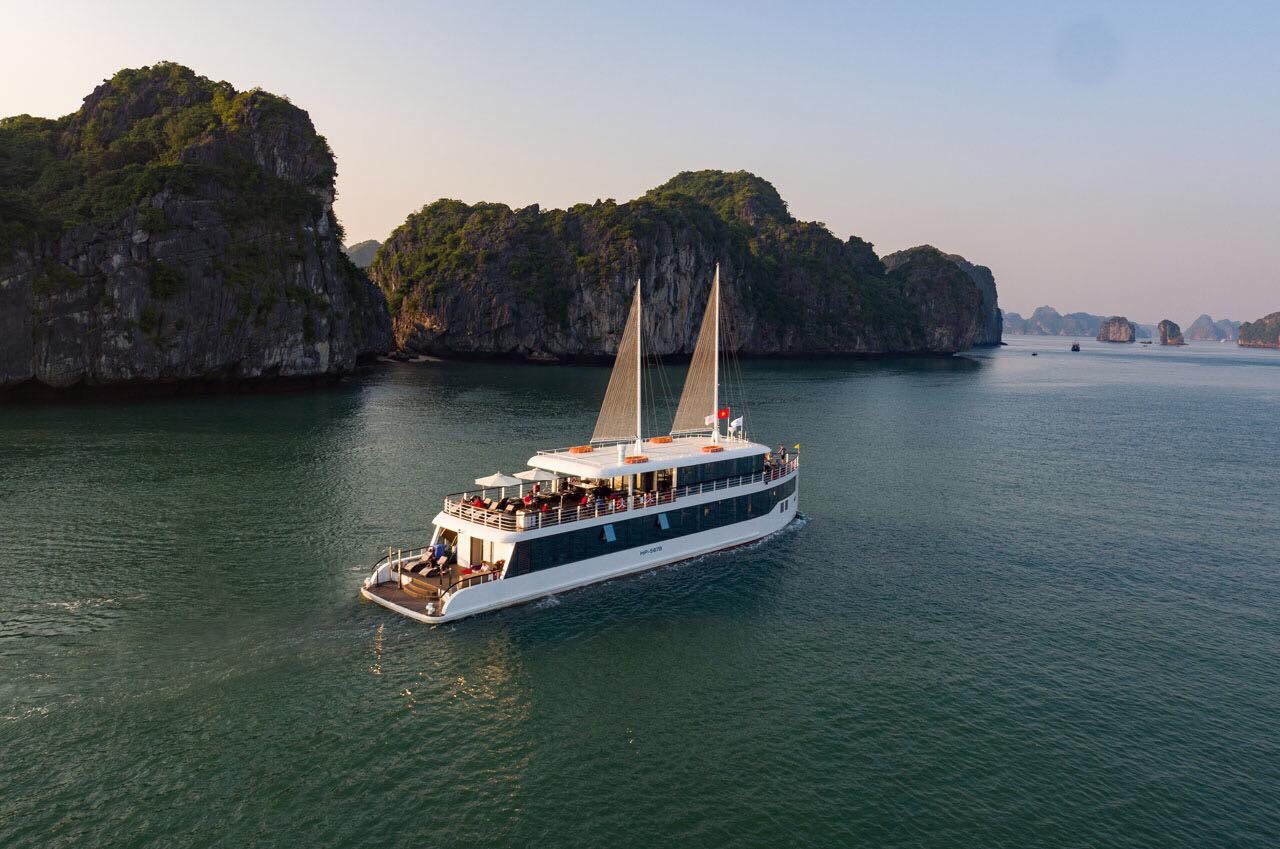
x,y
720,469
585,543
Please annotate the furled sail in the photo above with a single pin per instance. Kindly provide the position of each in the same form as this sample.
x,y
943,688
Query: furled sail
x,y
620,412
698,401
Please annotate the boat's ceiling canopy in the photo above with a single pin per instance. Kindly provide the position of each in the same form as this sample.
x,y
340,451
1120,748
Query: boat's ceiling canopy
x,y
603,462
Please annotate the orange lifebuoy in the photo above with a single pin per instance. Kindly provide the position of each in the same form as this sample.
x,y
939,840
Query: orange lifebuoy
x,y
635,458
659,440
581,449
712,449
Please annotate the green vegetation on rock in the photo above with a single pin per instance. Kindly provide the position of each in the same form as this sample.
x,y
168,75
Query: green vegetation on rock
x,y
147,130
487,278
169,215
734,196
1263,333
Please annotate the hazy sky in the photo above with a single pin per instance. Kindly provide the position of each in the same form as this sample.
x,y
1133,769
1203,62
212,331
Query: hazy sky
x,y
1109,157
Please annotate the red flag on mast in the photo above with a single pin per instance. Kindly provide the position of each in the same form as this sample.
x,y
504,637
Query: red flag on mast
x,y
723,413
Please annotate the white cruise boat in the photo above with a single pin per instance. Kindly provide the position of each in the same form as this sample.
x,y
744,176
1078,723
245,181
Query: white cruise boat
x,y
618,505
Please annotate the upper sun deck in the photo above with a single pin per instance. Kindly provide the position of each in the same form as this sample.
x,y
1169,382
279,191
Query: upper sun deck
x,y
605,461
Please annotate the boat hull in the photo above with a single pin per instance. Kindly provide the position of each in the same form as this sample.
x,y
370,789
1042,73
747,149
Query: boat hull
x,y
494,595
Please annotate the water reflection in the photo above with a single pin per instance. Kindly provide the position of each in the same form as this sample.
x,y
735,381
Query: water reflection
x,y
978,534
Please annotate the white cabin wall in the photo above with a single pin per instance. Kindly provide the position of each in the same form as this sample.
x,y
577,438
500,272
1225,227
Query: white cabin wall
x,y
491,551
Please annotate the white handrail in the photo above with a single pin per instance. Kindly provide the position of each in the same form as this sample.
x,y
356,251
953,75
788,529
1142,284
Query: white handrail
x,y
401,556
532,520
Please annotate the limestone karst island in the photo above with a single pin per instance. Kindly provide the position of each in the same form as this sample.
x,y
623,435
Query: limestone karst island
x,y
174,230
578,424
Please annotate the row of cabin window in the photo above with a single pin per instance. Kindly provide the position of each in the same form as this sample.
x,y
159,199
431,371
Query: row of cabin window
x,y
687,475
597,540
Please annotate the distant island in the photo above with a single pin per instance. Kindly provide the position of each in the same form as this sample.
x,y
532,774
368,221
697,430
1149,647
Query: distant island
x,y
485,279
1170,333
361,253
1263,333
1046,321
1117,329
1205,329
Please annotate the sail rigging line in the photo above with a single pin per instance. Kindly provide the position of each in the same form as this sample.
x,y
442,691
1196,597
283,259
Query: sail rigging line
x,y
732,387
715,361
658,387
658,391
736,380
639,370
670,391
700,394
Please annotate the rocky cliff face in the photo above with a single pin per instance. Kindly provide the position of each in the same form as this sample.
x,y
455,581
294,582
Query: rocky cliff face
x,y
948,308
1117,329
992,318
171,230
544,285
1170,333
1263,333
1205,329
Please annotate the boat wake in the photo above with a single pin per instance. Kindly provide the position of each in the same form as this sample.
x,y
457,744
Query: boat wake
x,y
89,603
794,526
66,617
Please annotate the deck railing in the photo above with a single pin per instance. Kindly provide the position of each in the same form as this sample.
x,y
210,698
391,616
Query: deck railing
x,y
532,520
470,580
401,556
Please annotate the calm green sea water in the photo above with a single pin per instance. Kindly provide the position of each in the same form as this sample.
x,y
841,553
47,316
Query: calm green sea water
x,y
1034,602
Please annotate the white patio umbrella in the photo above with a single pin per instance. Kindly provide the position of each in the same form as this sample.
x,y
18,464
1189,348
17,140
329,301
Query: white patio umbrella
x,y
498,479
536,475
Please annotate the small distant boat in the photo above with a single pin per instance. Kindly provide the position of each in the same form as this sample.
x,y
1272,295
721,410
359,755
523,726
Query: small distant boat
x,y
1075,346
1144,342
1035,354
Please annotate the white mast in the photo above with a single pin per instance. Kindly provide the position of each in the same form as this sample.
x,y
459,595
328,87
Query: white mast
x,y
715,380
639,364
